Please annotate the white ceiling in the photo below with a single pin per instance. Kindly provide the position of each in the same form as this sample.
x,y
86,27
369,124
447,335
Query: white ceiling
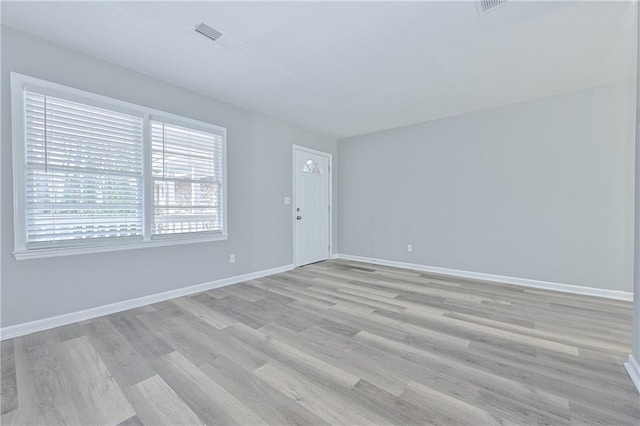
x,y
346,68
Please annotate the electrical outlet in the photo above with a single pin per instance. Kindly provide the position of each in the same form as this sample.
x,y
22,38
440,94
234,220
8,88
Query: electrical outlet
x,y
410,248
232,258
287,200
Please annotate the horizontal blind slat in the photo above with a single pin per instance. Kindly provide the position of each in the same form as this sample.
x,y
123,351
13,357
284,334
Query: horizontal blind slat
x,y
83,170
80,133
86,159
53,138
83,109
86,122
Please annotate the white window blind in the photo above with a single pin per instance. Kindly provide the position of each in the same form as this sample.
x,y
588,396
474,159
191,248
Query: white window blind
x,y
187,168
84,171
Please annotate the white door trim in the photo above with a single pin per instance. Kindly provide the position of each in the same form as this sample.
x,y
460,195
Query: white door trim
x,y
295,148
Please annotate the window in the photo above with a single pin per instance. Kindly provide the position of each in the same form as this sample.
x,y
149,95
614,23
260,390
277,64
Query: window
x,y
94,174
83,171
310,166
187,179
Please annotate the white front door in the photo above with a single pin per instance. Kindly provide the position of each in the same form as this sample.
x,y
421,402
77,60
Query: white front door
x,y
311,206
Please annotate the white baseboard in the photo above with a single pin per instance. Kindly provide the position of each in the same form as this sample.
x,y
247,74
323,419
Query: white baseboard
x,y
633,368
70,318
525,282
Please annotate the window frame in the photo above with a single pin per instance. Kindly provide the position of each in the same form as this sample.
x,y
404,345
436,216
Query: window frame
x,y
73,247
195,125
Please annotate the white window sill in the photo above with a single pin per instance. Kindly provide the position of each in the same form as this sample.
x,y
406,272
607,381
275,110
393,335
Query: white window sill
x,y
91,248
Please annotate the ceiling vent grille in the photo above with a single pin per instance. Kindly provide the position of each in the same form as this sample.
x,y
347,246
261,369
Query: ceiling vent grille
x,y
224,39
485,6
207,31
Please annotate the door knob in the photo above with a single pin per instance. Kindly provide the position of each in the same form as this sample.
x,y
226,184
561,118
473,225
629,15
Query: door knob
x,y
298,217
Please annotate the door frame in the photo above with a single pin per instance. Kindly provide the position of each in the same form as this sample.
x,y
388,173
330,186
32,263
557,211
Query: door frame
x,y
329,156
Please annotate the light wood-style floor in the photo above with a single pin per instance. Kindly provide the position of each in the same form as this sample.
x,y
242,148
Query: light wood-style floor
x,y
333,343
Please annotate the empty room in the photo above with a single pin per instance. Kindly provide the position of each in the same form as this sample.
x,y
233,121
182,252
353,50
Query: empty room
x,y
319,212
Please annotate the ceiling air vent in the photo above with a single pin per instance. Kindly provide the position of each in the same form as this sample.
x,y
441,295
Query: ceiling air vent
x,y
207,31
223,39
485,6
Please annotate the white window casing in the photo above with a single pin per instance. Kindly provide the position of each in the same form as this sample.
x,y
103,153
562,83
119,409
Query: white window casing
x,y
94,174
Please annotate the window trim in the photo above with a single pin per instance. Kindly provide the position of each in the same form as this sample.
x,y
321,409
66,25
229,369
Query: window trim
x,y
18,125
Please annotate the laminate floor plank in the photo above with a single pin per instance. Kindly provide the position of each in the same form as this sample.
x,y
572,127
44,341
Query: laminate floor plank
x,y
212,403
322,400
348,318
188,342
9,401
210,316
390,406
553,366
558,314
132,421
370,291
559,382
274,407
478,331
448,410
278,288
538,334
124,363
368,301
598,333
305,319
336,342
220,343
70,382
11,418
139,337
157,404
295,357
415,359
339,352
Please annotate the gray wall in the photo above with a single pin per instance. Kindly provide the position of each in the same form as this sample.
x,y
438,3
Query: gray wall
x,y
540,190
259,177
